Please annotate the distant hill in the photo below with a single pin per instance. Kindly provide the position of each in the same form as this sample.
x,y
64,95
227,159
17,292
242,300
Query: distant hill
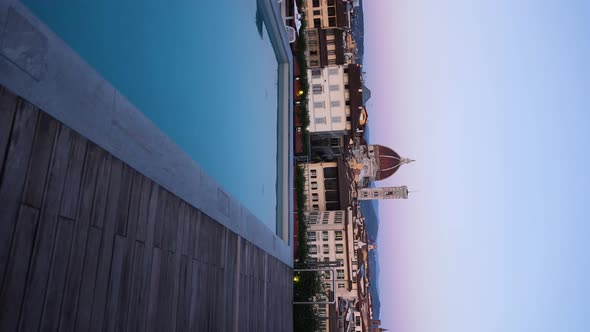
x,y
374,290
357,26
370,210
366,94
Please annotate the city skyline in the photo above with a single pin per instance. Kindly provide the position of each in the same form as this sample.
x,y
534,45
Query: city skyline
x,y
491,98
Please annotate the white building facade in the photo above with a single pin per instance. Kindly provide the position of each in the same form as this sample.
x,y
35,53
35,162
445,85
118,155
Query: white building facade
x,y
328,98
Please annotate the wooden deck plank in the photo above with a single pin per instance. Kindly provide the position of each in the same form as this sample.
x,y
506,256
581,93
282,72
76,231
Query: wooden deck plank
x,y
143,305
183,214
122,208
99,246
87,286
13,176
8,102
195,232
116,282
135,197
106,254
133,311
57,277
71,192
143,209
127,269
11,294
45,235
160,217
101,191
154,296
172,206
195,287
88,183
35,183
185,292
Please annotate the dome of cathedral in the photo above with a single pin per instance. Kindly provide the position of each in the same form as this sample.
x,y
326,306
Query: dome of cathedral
x,y
387,160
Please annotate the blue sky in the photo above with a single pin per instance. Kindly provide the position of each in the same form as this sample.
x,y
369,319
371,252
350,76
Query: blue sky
x,y
492,98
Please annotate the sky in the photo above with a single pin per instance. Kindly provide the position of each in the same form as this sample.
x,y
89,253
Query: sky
x,y
492,99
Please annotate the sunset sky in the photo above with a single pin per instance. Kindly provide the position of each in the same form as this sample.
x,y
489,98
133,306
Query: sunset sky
x,y
492,99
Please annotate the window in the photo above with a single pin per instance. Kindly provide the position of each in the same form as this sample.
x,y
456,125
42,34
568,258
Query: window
x,y
329,32
311,33
316,3
330,172
326,249
340,285
325,220
333,71
338,235
315,73
317,23
331,11
313,217
334,87
338,217
312,42
314,185
313,53
317,12
316,207
314,197
324,235
332,21
331,184
317,89
314,173
339,273
331,52
320,120
335,103
311,236
313,250
336,119
331,2
319,104
339,248
313,63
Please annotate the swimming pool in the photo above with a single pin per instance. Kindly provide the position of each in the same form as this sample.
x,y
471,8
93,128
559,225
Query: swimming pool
x,y
205,73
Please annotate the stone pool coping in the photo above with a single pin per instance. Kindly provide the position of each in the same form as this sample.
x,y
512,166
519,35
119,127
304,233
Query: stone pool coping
x,y
40,67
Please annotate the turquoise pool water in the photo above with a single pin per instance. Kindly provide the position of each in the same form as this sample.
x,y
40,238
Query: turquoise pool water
x,y
204,72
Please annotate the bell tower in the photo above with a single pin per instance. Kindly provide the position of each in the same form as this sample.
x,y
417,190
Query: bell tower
x,y
400,192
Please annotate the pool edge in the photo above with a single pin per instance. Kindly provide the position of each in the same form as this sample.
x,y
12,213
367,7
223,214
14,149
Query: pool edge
x,y
49,74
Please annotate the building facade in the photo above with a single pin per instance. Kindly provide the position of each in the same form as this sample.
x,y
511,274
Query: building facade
x,y
322,186
328,108
327,14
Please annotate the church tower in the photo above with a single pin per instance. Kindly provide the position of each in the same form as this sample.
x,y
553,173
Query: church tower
x,y
383,193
